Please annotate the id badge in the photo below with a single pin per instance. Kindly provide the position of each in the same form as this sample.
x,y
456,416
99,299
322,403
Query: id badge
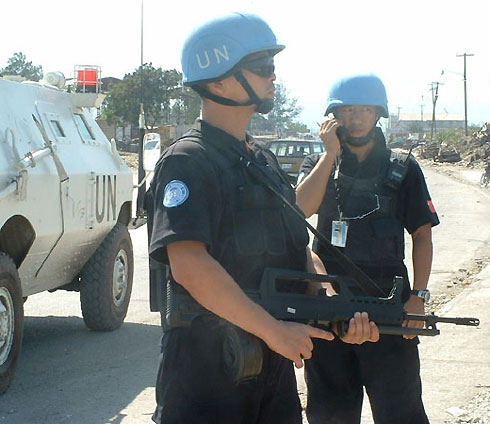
x,y
339,233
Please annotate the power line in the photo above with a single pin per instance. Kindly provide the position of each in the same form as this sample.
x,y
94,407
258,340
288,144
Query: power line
x,y
434,87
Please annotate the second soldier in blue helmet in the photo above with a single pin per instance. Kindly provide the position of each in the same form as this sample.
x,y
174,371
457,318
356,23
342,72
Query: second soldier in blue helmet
x,y
217,229
366,196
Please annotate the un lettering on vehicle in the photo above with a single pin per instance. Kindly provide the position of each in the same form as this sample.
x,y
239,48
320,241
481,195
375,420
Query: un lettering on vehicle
x,y
105,198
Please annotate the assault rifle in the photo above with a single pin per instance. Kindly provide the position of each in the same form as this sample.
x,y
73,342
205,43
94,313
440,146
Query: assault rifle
x,y
388,313
243,353
276,298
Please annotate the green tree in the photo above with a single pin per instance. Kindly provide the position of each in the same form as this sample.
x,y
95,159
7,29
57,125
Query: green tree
x,y
298,127
187,107
19,65
156,88
286,108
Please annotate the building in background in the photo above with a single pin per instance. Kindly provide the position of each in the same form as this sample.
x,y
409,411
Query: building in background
x,y
405,125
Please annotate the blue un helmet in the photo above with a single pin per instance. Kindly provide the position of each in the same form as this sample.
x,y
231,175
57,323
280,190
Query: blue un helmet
x,y
215,48
362,89
213,51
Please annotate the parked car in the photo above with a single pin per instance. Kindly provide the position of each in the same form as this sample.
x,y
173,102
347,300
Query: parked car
x,y
151,147
291,152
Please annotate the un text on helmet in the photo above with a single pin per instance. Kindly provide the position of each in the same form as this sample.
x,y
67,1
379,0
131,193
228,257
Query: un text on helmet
x,y
218,54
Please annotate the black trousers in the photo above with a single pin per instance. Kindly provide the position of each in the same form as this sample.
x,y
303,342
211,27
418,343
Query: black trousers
x,y
192,387
389,370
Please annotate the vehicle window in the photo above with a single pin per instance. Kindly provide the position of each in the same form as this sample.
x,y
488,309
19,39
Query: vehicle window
x,y
281,149
57,128
317,147
295,149
82,126
302,149
151,145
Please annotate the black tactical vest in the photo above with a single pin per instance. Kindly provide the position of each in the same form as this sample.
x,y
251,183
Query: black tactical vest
x,y
256,228
375,234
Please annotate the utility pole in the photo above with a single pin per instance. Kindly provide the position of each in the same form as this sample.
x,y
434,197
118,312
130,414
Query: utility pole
x,y
399,108
464,55
141,170
435,95
422,115
141,47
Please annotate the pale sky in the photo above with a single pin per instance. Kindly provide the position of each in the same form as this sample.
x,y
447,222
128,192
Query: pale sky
x,y
407,43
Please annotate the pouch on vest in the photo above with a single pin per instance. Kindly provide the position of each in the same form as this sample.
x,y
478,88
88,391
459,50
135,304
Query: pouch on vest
x,y
243,354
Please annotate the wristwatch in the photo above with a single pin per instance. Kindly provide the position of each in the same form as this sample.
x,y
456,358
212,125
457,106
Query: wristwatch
x,y
423,294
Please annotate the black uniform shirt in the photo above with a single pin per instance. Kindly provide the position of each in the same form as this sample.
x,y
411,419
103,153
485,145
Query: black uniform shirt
x,y
190,203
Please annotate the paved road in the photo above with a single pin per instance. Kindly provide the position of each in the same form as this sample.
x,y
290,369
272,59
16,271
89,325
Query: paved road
x,y
67,374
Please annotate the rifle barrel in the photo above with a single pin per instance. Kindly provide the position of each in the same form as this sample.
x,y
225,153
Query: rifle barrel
x,y
434,319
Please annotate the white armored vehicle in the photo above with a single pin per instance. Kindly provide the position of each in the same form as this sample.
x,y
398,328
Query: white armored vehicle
x,y
65,206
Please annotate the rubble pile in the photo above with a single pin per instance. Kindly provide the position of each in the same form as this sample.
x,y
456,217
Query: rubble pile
x,y
475,150
440,153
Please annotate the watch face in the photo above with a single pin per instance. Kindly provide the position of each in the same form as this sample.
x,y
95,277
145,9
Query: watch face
x,y
422,294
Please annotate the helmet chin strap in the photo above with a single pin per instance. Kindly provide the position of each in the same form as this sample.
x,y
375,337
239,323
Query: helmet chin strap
x,y
262,106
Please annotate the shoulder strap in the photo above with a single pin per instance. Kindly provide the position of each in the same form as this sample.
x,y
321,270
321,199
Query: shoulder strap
x,y
221,158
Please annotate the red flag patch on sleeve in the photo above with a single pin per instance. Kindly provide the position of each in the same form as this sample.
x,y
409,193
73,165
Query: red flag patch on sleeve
x,y
431,206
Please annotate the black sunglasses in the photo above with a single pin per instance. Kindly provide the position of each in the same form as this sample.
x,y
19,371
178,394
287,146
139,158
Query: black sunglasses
x,y
262,66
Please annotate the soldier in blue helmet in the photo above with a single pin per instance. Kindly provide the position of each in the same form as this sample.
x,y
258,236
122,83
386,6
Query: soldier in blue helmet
x,y
365,196
217,229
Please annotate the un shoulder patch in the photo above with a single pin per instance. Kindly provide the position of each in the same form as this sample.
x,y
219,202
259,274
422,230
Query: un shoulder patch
x,y
175,193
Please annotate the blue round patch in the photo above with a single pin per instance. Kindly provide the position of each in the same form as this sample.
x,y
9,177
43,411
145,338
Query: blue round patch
x,y
175,193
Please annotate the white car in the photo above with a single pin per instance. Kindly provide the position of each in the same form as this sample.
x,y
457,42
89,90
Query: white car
x,y
151,149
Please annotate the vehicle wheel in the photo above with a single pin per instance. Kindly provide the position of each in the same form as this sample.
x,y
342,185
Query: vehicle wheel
x,y
11,320
107,280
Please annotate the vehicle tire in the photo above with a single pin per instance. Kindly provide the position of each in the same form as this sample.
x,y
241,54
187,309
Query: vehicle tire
x,y
11,320
107,280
